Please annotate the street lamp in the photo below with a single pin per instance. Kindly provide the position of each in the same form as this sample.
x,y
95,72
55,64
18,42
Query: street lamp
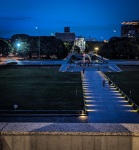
x,y
38,42
96,49
18,46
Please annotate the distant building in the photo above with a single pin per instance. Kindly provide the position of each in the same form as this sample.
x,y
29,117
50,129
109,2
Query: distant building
x,y
80,42
67,36
130,29
66,29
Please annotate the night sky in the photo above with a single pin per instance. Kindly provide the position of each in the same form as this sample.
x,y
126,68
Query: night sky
x,y
100,19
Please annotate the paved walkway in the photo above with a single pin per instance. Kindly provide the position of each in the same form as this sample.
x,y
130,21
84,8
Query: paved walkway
x,y
7,60
105,104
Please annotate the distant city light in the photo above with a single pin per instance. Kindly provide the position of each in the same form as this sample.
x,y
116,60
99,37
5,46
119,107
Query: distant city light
x,y
96,48
105,41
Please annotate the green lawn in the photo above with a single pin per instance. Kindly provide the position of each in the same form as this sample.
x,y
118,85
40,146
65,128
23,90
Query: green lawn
x,y
127,81
40,88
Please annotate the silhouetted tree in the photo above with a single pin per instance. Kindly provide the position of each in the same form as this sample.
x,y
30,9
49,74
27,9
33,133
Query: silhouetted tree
x,y
5,47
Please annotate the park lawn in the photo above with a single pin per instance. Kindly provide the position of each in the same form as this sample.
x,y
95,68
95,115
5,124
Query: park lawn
x,y
127,81
40,88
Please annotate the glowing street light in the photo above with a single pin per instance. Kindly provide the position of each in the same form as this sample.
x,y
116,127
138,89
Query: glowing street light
x,y
96,49
18,45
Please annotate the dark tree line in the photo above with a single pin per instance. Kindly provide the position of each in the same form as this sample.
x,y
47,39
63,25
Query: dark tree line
x,y
125,48
117,48
43,46
5,47
47,46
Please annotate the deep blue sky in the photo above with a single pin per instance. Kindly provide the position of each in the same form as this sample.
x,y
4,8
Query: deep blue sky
x,y
95,18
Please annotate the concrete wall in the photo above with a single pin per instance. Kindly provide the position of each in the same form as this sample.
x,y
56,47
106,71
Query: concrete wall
x,y
69,136
69,142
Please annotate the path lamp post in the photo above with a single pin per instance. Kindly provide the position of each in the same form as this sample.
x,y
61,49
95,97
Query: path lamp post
x,y
15,107
18,47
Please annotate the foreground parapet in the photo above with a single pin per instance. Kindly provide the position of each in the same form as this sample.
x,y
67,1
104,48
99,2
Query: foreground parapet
x,y
15,136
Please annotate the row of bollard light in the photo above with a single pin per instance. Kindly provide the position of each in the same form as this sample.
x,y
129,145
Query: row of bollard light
x,y
85,109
